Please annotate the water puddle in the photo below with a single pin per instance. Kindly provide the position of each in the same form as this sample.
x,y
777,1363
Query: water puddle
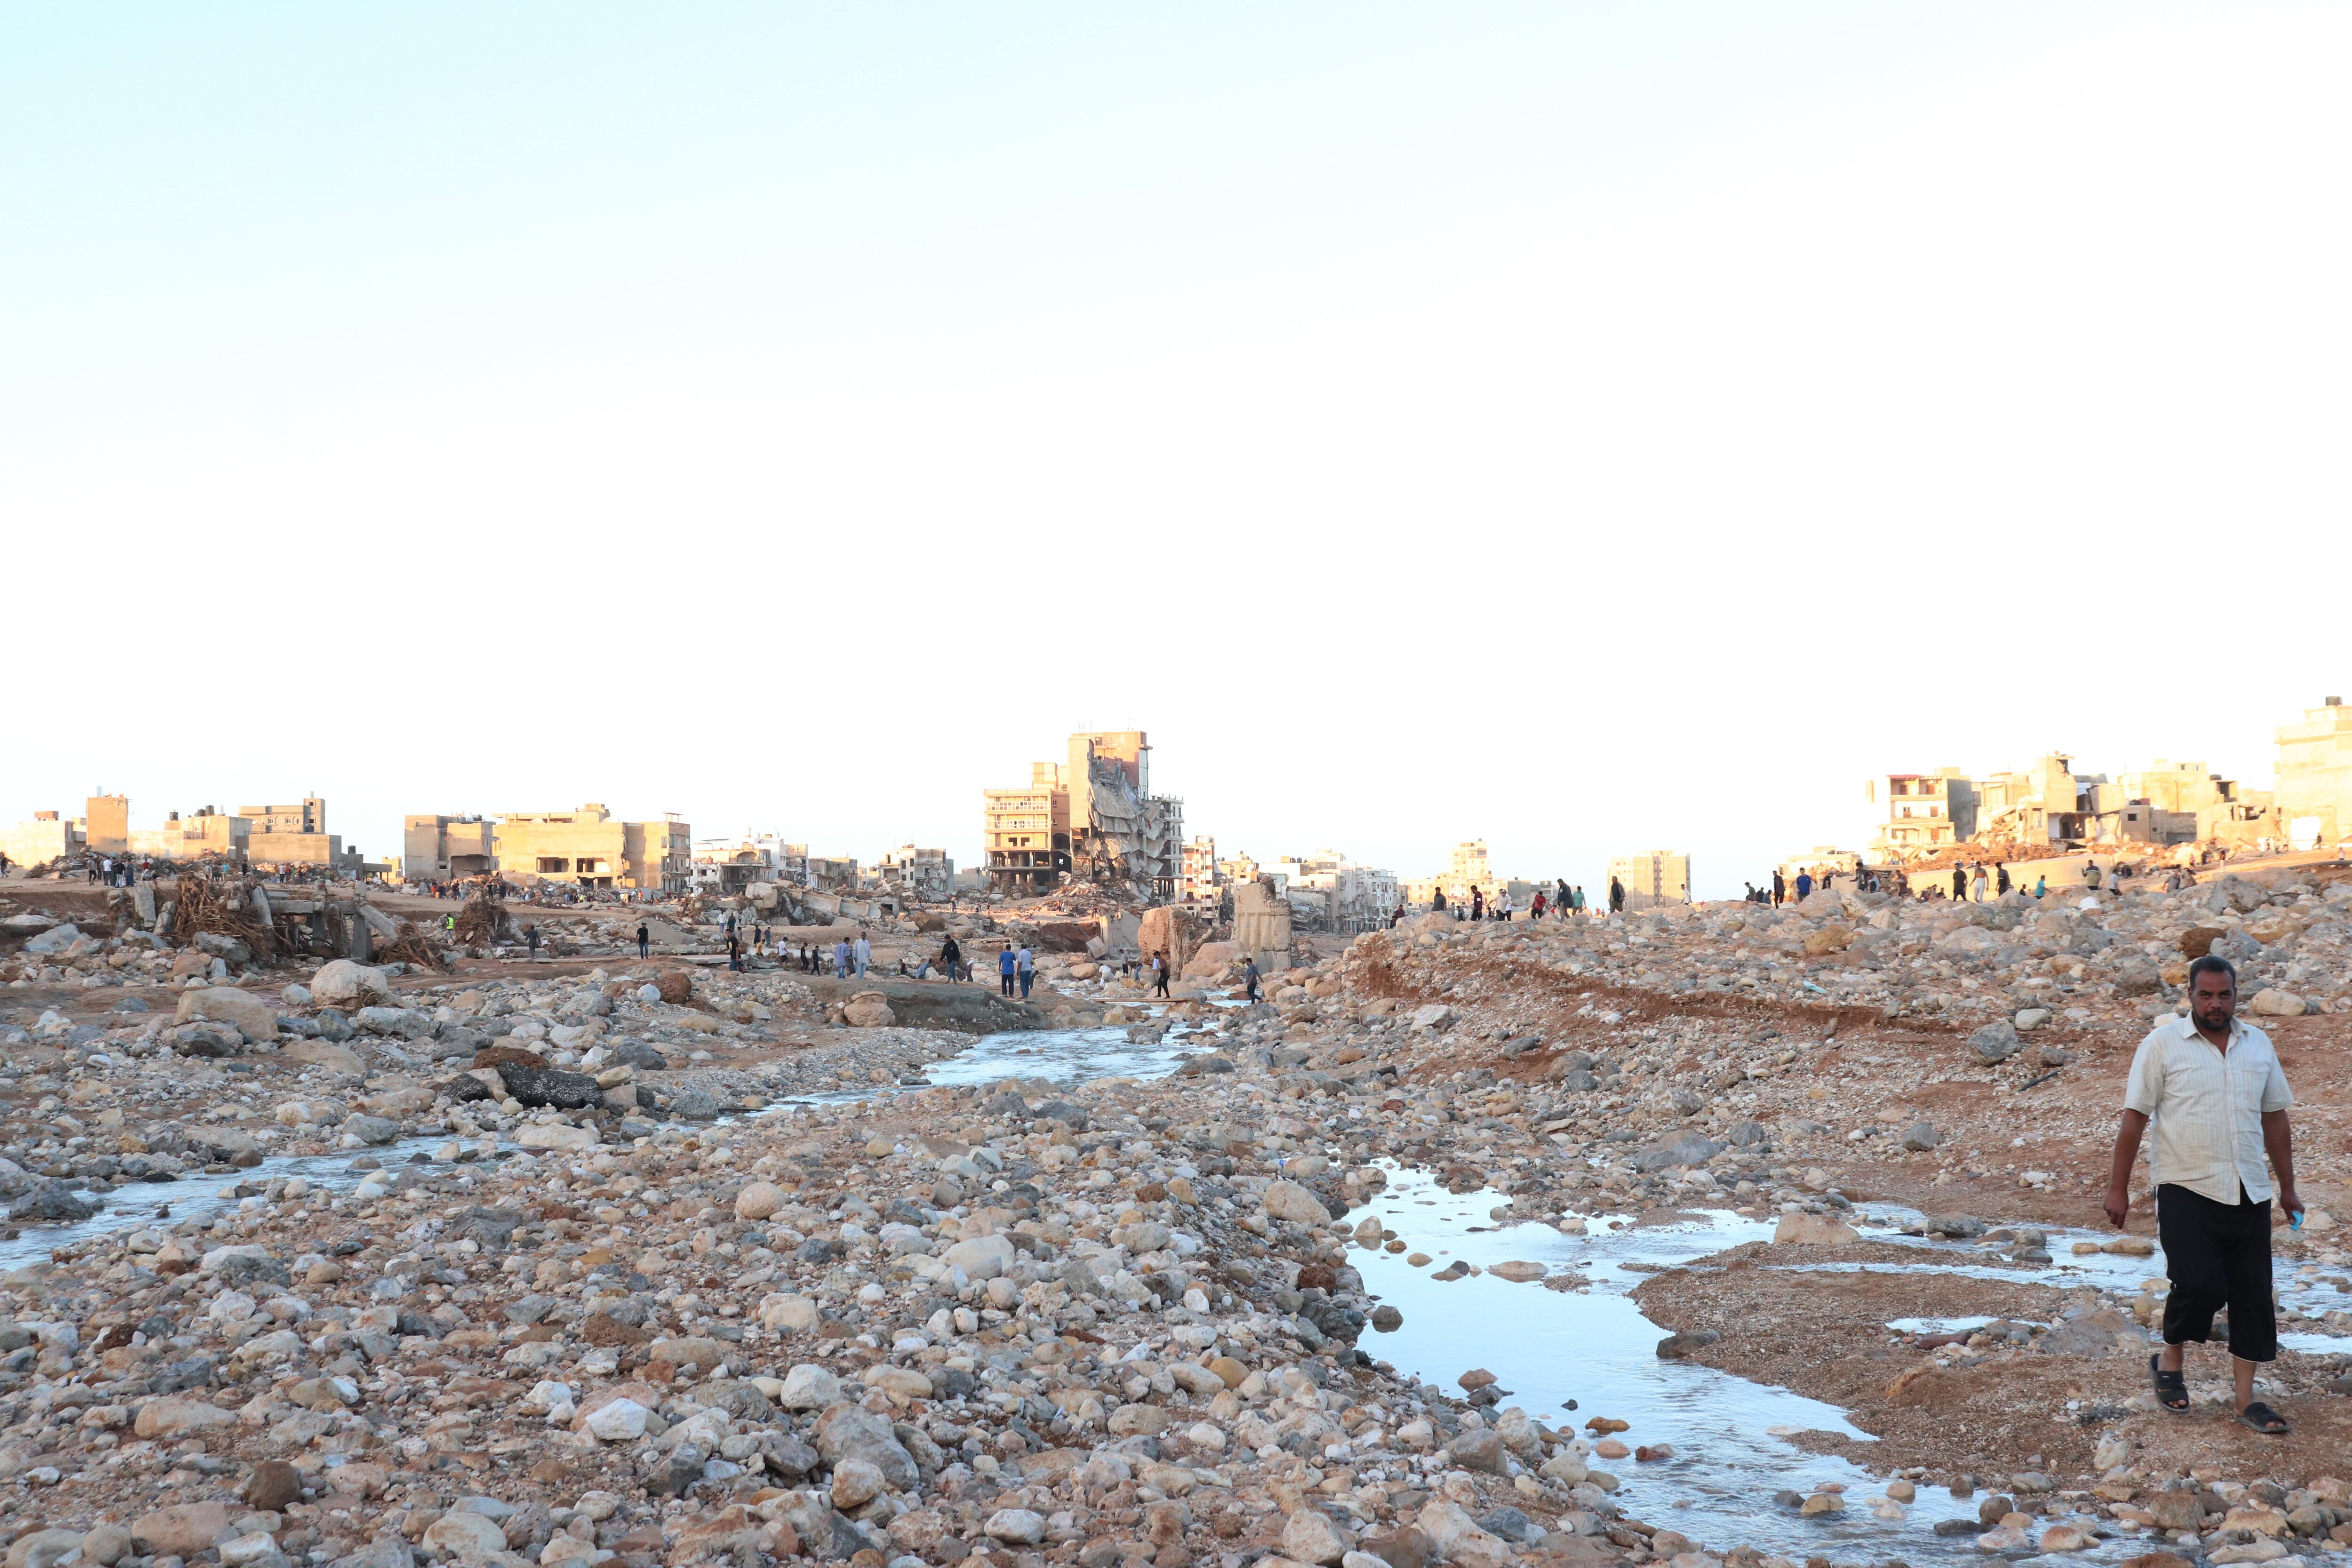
x,y
165,1204
1590,1342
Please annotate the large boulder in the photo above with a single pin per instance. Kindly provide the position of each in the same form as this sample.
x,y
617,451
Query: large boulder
x,y
343,984
2273,1003
537,1088
57,939
1996,1042
848,1431
1289,1200
980,1257
181,1529
868,1010
1812,1230
252,1016
1685,1148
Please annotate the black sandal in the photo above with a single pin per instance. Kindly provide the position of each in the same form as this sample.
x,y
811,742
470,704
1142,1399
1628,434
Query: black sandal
x,y
2171,1387
2265,1419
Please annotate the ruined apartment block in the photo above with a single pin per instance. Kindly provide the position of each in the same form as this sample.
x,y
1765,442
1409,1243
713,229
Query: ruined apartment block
x,y
435,849
593,849
2051,804
1094,818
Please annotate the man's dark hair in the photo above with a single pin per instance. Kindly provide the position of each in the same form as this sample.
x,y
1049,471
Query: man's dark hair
x,y
2212,963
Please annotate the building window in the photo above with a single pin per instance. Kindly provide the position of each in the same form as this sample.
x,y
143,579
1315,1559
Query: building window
x,y
548,863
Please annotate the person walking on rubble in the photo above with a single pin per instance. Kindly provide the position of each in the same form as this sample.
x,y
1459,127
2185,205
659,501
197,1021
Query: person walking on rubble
x,y
1959,883
1804,886
1477,903
1979,885
1005,970
2000,883
951,956
1438,900
1159,974
1536,910
531,935
1249,978
841,958
861,953
1024,964
645,942
2211,1088
1780,889
1616,895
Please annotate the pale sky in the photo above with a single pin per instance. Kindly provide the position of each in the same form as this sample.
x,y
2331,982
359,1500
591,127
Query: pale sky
x,y
1592,428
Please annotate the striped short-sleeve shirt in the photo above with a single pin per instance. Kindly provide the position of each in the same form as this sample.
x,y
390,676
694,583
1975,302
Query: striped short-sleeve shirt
x,y
2206,1107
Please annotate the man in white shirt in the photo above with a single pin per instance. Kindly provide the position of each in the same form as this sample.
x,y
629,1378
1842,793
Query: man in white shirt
x,y
2212,1090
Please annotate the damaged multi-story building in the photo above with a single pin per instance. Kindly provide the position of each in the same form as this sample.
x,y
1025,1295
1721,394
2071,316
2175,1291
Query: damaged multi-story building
x,y
591,848
1092,818
2051,805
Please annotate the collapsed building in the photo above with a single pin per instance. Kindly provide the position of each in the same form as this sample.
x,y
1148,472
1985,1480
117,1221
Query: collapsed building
x,y
1092,820
2050,807
591,848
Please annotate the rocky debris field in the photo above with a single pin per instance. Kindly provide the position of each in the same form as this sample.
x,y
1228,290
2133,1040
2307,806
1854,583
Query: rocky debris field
x,y
603,1312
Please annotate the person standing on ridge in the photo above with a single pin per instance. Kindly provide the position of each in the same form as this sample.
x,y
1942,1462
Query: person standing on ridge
x,y
1616,895
1005,970
1780,889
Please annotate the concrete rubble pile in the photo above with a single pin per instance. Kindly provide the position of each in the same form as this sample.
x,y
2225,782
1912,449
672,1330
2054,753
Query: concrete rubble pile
x,y
600,1295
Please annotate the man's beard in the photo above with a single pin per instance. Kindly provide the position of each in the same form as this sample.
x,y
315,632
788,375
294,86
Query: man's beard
x,y
2216,1021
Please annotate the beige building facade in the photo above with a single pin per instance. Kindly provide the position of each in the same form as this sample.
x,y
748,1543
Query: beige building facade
x,y
593,848
2314,792
436,848
1651,879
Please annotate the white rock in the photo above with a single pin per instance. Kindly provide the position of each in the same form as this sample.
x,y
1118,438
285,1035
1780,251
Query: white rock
x,y
618,1421
461,1534
1024,1525
1289,1200
980,1257
758,1200
795,1314
809,1387
346,984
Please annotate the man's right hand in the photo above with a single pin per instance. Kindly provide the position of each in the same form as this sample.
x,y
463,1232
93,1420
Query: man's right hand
x,y
2118,1206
